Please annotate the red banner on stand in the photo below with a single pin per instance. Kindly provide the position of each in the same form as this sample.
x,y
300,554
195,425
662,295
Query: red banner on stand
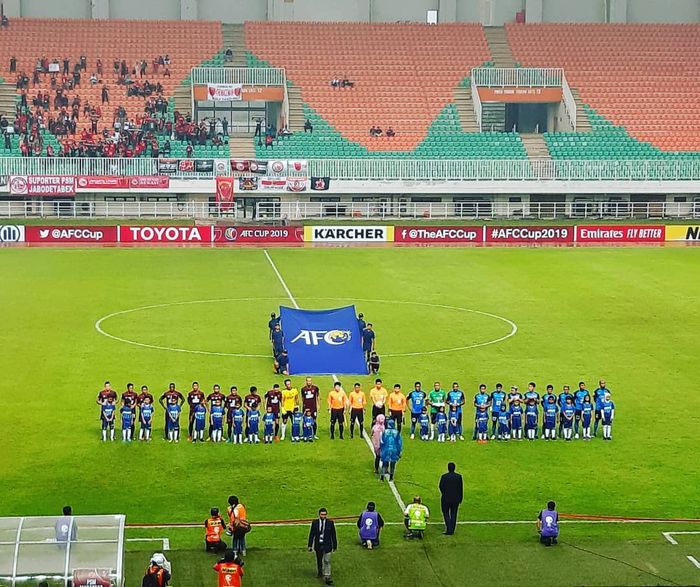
x,y
224,193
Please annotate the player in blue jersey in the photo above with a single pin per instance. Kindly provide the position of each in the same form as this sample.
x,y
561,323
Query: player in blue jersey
x,y
216,420
549,416
453,427
498,405
269,426
586,417
504,425
128,414
516,420
531,393
531,417
253,421
107,414
561,402
172,428
480,399
581,392
441,424
146,418
514,395
566,417
455,397
598,399
608,415
309,423
297,424
545,399
237,423
424,424
416,403
482,425
199,415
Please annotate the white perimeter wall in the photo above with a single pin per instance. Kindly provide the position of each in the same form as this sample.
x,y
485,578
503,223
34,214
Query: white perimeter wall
x,y
489,12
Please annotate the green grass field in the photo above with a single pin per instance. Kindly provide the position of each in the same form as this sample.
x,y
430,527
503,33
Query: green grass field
x,y
629,315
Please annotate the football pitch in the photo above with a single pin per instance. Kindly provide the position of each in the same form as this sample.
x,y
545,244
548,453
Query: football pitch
x,y
73,318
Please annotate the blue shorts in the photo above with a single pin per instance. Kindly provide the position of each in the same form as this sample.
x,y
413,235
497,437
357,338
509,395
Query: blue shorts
x,y
146,426
106,425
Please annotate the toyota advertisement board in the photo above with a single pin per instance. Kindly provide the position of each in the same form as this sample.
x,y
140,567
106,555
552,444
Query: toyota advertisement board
x,y
259,235
194,235
439,234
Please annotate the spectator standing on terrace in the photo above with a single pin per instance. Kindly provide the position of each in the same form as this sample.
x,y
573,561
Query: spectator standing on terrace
x,y
13,64
308,127
390,132
229,54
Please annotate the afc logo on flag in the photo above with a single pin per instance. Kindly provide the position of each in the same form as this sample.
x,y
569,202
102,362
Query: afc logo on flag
x,y
315,337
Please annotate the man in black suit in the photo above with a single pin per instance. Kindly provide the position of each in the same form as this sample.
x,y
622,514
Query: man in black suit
x,y
323,541
452,492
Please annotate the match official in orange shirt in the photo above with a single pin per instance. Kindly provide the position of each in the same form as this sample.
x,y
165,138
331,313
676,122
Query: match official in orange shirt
x,y
357,401
337,401
397,406
377,396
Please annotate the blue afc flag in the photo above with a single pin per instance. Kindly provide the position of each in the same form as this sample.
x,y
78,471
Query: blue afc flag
x,y
322,342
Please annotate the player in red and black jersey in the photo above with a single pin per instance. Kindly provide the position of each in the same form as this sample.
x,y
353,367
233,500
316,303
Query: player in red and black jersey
x,y
141,397
129,399
233,400
194,398
310,399
273,400
106,393
172,395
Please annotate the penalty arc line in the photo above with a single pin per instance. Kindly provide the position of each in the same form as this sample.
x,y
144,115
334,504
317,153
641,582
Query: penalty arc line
x,y
392,486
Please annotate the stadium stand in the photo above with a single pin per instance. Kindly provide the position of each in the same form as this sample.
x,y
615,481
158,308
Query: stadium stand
x,y
31,41
639,83
404,77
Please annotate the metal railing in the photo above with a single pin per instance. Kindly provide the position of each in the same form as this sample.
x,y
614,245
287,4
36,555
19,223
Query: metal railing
x,y
476,100
380,169
569,102
518,76
104,209
381,210
248,76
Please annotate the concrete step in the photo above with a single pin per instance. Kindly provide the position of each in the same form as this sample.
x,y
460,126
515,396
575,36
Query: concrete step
x,y
241,146
535,146
465,109
501,54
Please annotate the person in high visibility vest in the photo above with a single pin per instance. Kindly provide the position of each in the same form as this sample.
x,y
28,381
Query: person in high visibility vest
x,y
157,573
215,528
230,570
416,518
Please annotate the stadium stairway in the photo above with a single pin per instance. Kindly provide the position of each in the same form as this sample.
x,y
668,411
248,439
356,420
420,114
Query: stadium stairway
x,y
501,55
465,107
234,37
8,100
535,145
583,123
296,109
241,146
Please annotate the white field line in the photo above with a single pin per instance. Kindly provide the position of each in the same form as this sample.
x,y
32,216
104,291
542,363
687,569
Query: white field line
x,y
693,560
397,495
669,535
164,541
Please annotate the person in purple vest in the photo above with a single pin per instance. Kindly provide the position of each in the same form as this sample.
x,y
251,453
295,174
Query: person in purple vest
x,y
370,524
548,524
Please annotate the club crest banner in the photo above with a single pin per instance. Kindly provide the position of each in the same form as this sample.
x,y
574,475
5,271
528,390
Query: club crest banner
x,y
322,342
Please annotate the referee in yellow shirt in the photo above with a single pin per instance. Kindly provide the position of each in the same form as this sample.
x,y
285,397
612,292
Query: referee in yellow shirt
x,y
290,400
337,401
397,406
358,401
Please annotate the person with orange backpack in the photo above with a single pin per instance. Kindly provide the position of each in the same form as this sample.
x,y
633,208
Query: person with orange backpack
x,y
214,527
230,570
157,573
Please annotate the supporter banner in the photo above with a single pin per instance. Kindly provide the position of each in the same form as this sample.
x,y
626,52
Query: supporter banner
x,y
165,234
299,166
296,184
204,165
320,184
151,182
72,234
247,184
11,233
224,192
520,94
439,234
225,92
321,342
90,182
259,235
257,166
277,168
682,232
168,166
620,234
272,184
42,185
221,166
185,165
345,234
530,234
240,164
248,93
